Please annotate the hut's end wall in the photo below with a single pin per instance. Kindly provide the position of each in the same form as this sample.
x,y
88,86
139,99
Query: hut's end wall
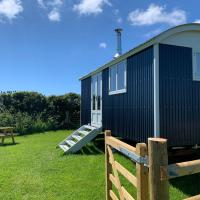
x,y
179,98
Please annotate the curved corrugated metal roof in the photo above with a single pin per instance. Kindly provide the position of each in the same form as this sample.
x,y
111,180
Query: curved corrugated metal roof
x,y
152,41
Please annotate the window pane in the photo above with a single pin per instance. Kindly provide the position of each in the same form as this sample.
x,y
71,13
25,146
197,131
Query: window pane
x,y
121,76
113,72
98,86
93,86
198,64
98,93
93,102
93,94
98,103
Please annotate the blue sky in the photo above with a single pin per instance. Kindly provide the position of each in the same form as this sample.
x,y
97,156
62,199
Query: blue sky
x,y
46,45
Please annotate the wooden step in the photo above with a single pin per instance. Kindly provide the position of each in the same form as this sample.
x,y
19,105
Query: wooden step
x,y
77,137
89,127
83,132
70,142
64,147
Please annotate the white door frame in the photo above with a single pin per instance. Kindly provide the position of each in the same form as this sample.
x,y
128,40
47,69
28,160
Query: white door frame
x,y
96,100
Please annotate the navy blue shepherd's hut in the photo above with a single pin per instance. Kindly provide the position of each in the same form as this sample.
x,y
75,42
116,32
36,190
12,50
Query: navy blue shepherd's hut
x,y
151,91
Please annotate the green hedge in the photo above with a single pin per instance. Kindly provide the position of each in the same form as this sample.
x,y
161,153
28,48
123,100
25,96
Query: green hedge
x,y
31,112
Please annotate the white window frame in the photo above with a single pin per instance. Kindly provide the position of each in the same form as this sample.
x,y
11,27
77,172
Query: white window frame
x,y
125,79
194,65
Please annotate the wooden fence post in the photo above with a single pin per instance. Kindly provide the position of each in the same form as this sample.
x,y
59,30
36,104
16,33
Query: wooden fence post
x,y
108,168
142,174
158,162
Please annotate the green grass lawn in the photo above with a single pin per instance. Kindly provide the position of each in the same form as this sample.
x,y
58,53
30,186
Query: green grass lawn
x,y
35,169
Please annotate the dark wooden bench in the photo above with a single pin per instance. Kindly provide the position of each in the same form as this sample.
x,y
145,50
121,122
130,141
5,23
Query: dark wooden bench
x,y
7,132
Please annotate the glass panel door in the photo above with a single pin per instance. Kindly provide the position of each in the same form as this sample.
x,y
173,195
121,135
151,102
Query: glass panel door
x,y
98,92
93,93
96,100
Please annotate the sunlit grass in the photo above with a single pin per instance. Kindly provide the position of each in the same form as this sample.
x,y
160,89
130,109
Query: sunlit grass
x,y
35,169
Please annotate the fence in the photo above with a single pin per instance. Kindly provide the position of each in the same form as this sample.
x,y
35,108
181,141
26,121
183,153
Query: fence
x,y
152,169
113,168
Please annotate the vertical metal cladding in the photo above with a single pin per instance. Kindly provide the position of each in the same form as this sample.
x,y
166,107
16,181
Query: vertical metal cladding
x,y
179,97
130,115
86,101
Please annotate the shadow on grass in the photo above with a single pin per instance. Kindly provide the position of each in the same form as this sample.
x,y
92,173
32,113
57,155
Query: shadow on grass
x,y
93,148
36,133
97,146
9,144
43,132
189,185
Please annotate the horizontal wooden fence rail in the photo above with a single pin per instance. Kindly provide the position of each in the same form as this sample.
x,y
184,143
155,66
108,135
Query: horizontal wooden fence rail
x,y
114,168
194,198
117,144
184,168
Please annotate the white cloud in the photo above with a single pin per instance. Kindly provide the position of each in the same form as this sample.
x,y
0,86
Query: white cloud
x,y
52,7
103,45
157,14
10,9
116,11
55,3
50,3
119,20
197,21
41,3
88,7
54,15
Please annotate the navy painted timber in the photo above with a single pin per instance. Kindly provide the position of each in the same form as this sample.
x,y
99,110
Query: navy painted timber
x,y
86,101
179,97
130,115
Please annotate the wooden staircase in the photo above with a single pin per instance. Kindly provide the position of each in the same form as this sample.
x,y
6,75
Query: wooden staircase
x,y
79,138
